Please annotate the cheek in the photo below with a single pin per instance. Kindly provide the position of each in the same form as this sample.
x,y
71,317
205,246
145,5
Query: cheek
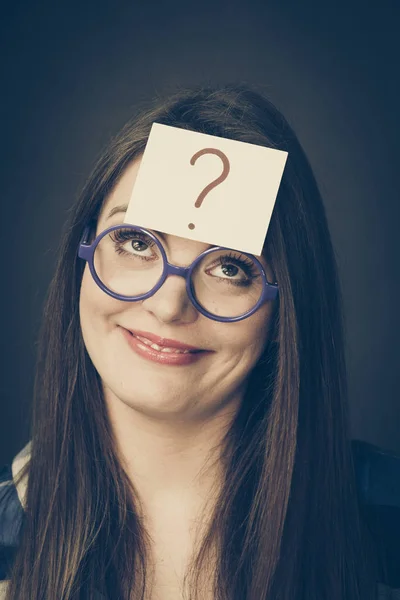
x,y
88,299
97,313
261,325
253,333
245,341
94,304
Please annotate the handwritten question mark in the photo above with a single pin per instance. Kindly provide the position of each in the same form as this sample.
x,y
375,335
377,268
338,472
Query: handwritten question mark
x,y
216,181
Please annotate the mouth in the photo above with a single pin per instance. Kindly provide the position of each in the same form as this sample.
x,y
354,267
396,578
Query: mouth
x,y
169,352
164,345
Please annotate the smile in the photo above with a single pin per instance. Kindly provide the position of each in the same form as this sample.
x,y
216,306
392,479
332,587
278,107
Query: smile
x,y
161,354
164,348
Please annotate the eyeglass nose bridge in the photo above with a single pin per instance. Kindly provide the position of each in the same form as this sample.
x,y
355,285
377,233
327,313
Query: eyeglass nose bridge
x,y
175,270
170,269
185,272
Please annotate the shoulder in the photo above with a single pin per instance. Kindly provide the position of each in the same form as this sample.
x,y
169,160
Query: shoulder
x,y
378,485
378,474
12,499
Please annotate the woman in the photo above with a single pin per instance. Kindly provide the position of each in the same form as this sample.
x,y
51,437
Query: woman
x,y
221,472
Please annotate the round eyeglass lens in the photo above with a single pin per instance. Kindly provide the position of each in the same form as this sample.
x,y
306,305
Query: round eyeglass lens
x,y
227,283
128,262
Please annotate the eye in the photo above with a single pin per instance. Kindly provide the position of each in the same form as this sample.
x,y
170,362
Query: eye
x,y
139,245
229,270
135,243
233,269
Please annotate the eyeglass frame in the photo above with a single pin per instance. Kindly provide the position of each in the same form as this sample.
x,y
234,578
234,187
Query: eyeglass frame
x,y
86,252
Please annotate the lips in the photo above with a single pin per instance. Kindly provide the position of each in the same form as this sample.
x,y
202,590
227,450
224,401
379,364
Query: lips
x,y
163,355
163,343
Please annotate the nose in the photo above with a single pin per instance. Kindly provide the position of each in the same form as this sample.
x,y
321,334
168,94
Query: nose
x,y
171,302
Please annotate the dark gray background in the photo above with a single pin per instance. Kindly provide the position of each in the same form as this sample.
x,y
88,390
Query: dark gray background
x,y
71,76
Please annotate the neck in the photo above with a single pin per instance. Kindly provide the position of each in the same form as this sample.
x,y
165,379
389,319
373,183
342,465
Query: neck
x,y
170,461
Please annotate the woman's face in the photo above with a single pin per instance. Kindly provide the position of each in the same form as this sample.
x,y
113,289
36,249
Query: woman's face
x,y
191,389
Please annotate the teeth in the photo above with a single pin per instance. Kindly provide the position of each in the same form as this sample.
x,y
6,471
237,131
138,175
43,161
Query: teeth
x,y
174,351
156,347
161,349
145,341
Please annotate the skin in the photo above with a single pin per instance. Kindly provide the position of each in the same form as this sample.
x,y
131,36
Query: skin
x,y
167,419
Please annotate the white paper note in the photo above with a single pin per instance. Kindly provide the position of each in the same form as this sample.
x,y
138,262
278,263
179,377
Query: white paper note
x,y
206,188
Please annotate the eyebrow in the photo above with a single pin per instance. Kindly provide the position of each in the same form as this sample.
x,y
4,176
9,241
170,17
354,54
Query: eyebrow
x,y
122,208
117,209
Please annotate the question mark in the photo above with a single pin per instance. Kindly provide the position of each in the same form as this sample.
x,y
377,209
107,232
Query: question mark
x,y
214,183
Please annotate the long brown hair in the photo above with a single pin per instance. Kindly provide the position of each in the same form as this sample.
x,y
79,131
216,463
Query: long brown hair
x,y
286,524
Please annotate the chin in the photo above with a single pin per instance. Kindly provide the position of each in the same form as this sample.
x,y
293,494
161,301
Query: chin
x,y
144,397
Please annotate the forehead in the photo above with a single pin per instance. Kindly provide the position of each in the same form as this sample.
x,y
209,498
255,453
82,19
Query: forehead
x,y
122,191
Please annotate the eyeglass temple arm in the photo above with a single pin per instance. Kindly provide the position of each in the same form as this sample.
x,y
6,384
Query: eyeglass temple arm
x,y
84,246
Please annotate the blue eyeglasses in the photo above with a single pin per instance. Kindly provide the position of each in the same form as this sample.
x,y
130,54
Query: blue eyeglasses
x,y
130,264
